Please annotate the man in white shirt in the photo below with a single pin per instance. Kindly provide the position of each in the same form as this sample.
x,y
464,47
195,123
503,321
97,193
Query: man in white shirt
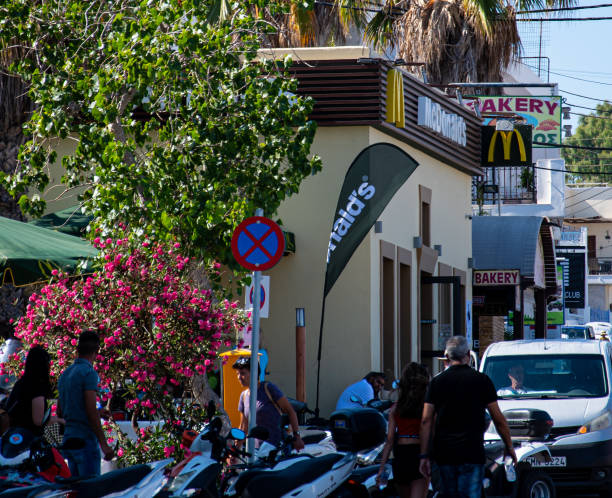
x,y
358,394
516,374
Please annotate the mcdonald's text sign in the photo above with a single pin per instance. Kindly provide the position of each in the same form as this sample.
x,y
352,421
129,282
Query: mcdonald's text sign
x,y
506,148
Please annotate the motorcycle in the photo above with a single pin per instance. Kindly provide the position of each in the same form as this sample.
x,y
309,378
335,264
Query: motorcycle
x,y
136,481
529,430
352,431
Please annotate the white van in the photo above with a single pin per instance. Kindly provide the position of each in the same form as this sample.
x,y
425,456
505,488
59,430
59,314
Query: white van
x,y
571,380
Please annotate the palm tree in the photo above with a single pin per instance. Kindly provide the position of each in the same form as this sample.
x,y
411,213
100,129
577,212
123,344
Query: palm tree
x,y
457,40
15,107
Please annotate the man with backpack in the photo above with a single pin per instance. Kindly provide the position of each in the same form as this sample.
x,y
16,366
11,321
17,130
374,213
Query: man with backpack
x,y
271,405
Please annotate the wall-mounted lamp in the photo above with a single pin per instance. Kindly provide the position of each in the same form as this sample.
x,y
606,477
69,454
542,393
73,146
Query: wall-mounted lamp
x,y
438,247
300,318
378,226
300,354
607,236
566,112
417,242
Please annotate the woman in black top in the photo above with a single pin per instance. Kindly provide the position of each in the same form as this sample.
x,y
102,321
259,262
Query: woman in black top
x,y
27,403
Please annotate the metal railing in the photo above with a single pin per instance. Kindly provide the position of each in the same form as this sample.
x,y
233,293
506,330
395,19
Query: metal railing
x,y
516,184
599,266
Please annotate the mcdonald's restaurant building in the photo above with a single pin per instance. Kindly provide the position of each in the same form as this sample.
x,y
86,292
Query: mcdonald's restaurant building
x,y
398,159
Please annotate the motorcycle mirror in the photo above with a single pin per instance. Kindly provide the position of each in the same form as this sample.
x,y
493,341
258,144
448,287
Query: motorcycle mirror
x,y
211,409
216,424
237,434
259,432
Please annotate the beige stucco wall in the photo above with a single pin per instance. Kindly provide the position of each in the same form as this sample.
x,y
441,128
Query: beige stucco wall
x,y
450,227
297,281
56,195
351,345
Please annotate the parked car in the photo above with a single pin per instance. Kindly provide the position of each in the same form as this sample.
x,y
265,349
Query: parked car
x,y
577,332
600,327
571,381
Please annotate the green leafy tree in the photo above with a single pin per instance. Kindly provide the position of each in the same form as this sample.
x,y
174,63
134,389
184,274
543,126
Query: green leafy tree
x,y
594,130
180,132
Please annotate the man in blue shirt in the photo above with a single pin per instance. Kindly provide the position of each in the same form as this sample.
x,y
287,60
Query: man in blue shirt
x,y
361,392
78,389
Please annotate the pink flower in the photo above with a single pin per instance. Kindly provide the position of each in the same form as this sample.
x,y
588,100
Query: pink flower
x,y
168,450
120,452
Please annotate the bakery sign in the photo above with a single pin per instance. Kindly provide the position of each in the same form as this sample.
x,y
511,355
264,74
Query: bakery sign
x,y
497,277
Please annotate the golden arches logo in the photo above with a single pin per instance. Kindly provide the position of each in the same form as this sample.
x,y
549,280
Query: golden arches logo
x,y
507,142
395,98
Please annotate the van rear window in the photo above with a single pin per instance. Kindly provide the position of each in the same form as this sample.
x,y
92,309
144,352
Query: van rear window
x,y
547,376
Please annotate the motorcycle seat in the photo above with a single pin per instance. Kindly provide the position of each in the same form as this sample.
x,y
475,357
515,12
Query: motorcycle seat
x,y
25,491
111,482
276,483
253,470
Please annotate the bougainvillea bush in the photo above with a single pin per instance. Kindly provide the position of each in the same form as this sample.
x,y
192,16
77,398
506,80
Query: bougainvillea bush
x,y
157,329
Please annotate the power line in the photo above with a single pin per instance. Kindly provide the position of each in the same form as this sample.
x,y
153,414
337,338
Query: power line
x,y
605,118
573,137
584,96
570,77
581,106
589,207
587,165
588,172
563,19
585,71
560,9
588,198
568,146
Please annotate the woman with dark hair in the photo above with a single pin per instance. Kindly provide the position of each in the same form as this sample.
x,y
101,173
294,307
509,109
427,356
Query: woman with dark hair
x,y
403,433
27,404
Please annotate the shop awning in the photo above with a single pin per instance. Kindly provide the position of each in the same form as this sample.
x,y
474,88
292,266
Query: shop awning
x,y
510,243
69,220
29,253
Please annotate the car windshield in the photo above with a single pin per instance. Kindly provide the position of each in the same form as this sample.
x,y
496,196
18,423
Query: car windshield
x,y
547,376
574,333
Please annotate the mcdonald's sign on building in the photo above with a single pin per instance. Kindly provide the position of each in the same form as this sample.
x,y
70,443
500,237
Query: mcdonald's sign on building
x,y
506,148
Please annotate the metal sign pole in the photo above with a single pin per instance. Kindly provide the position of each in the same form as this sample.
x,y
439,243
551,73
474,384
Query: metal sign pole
x,y
254,356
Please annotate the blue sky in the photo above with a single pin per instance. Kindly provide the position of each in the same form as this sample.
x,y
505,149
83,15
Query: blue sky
x,y
579,49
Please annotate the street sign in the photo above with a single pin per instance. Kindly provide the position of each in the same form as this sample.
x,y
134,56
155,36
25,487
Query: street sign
x,y
264,297
258,243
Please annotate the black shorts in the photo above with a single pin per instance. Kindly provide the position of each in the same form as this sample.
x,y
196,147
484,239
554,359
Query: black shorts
x,y
406,463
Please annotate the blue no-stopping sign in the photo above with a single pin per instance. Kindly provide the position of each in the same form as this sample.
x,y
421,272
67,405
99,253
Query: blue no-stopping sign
x,y
258,243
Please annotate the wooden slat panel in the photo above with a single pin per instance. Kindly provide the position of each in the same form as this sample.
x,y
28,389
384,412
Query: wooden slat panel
x,y
347,93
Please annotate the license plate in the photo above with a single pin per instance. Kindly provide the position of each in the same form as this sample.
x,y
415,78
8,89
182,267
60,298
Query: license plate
x,y
555,461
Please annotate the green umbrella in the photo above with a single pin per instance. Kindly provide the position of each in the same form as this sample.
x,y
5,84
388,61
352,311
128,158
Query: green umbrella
x,y
69,220
29,253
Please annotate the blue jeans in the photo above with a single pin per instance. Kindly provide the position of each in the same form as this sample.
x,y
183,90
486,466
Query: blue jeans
x,y
461,481
85,461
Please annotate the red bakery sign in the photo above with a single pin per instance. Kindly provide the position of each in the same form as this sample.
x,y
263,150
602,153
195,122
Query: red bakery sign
x,y
497,277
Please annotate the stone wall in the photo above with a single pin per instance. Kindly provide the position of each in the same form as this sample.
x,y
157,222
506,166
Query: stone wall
x,y
491,330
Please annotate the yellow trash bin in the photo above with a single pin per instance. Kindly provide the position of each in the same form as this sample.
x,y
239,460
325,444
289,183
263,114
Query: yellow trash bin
x,y
231,388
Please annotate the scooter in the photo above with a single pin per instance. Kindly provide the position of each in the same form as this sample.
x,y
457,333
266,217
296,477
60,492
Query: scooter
x,y
352,431
529,430
136,481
